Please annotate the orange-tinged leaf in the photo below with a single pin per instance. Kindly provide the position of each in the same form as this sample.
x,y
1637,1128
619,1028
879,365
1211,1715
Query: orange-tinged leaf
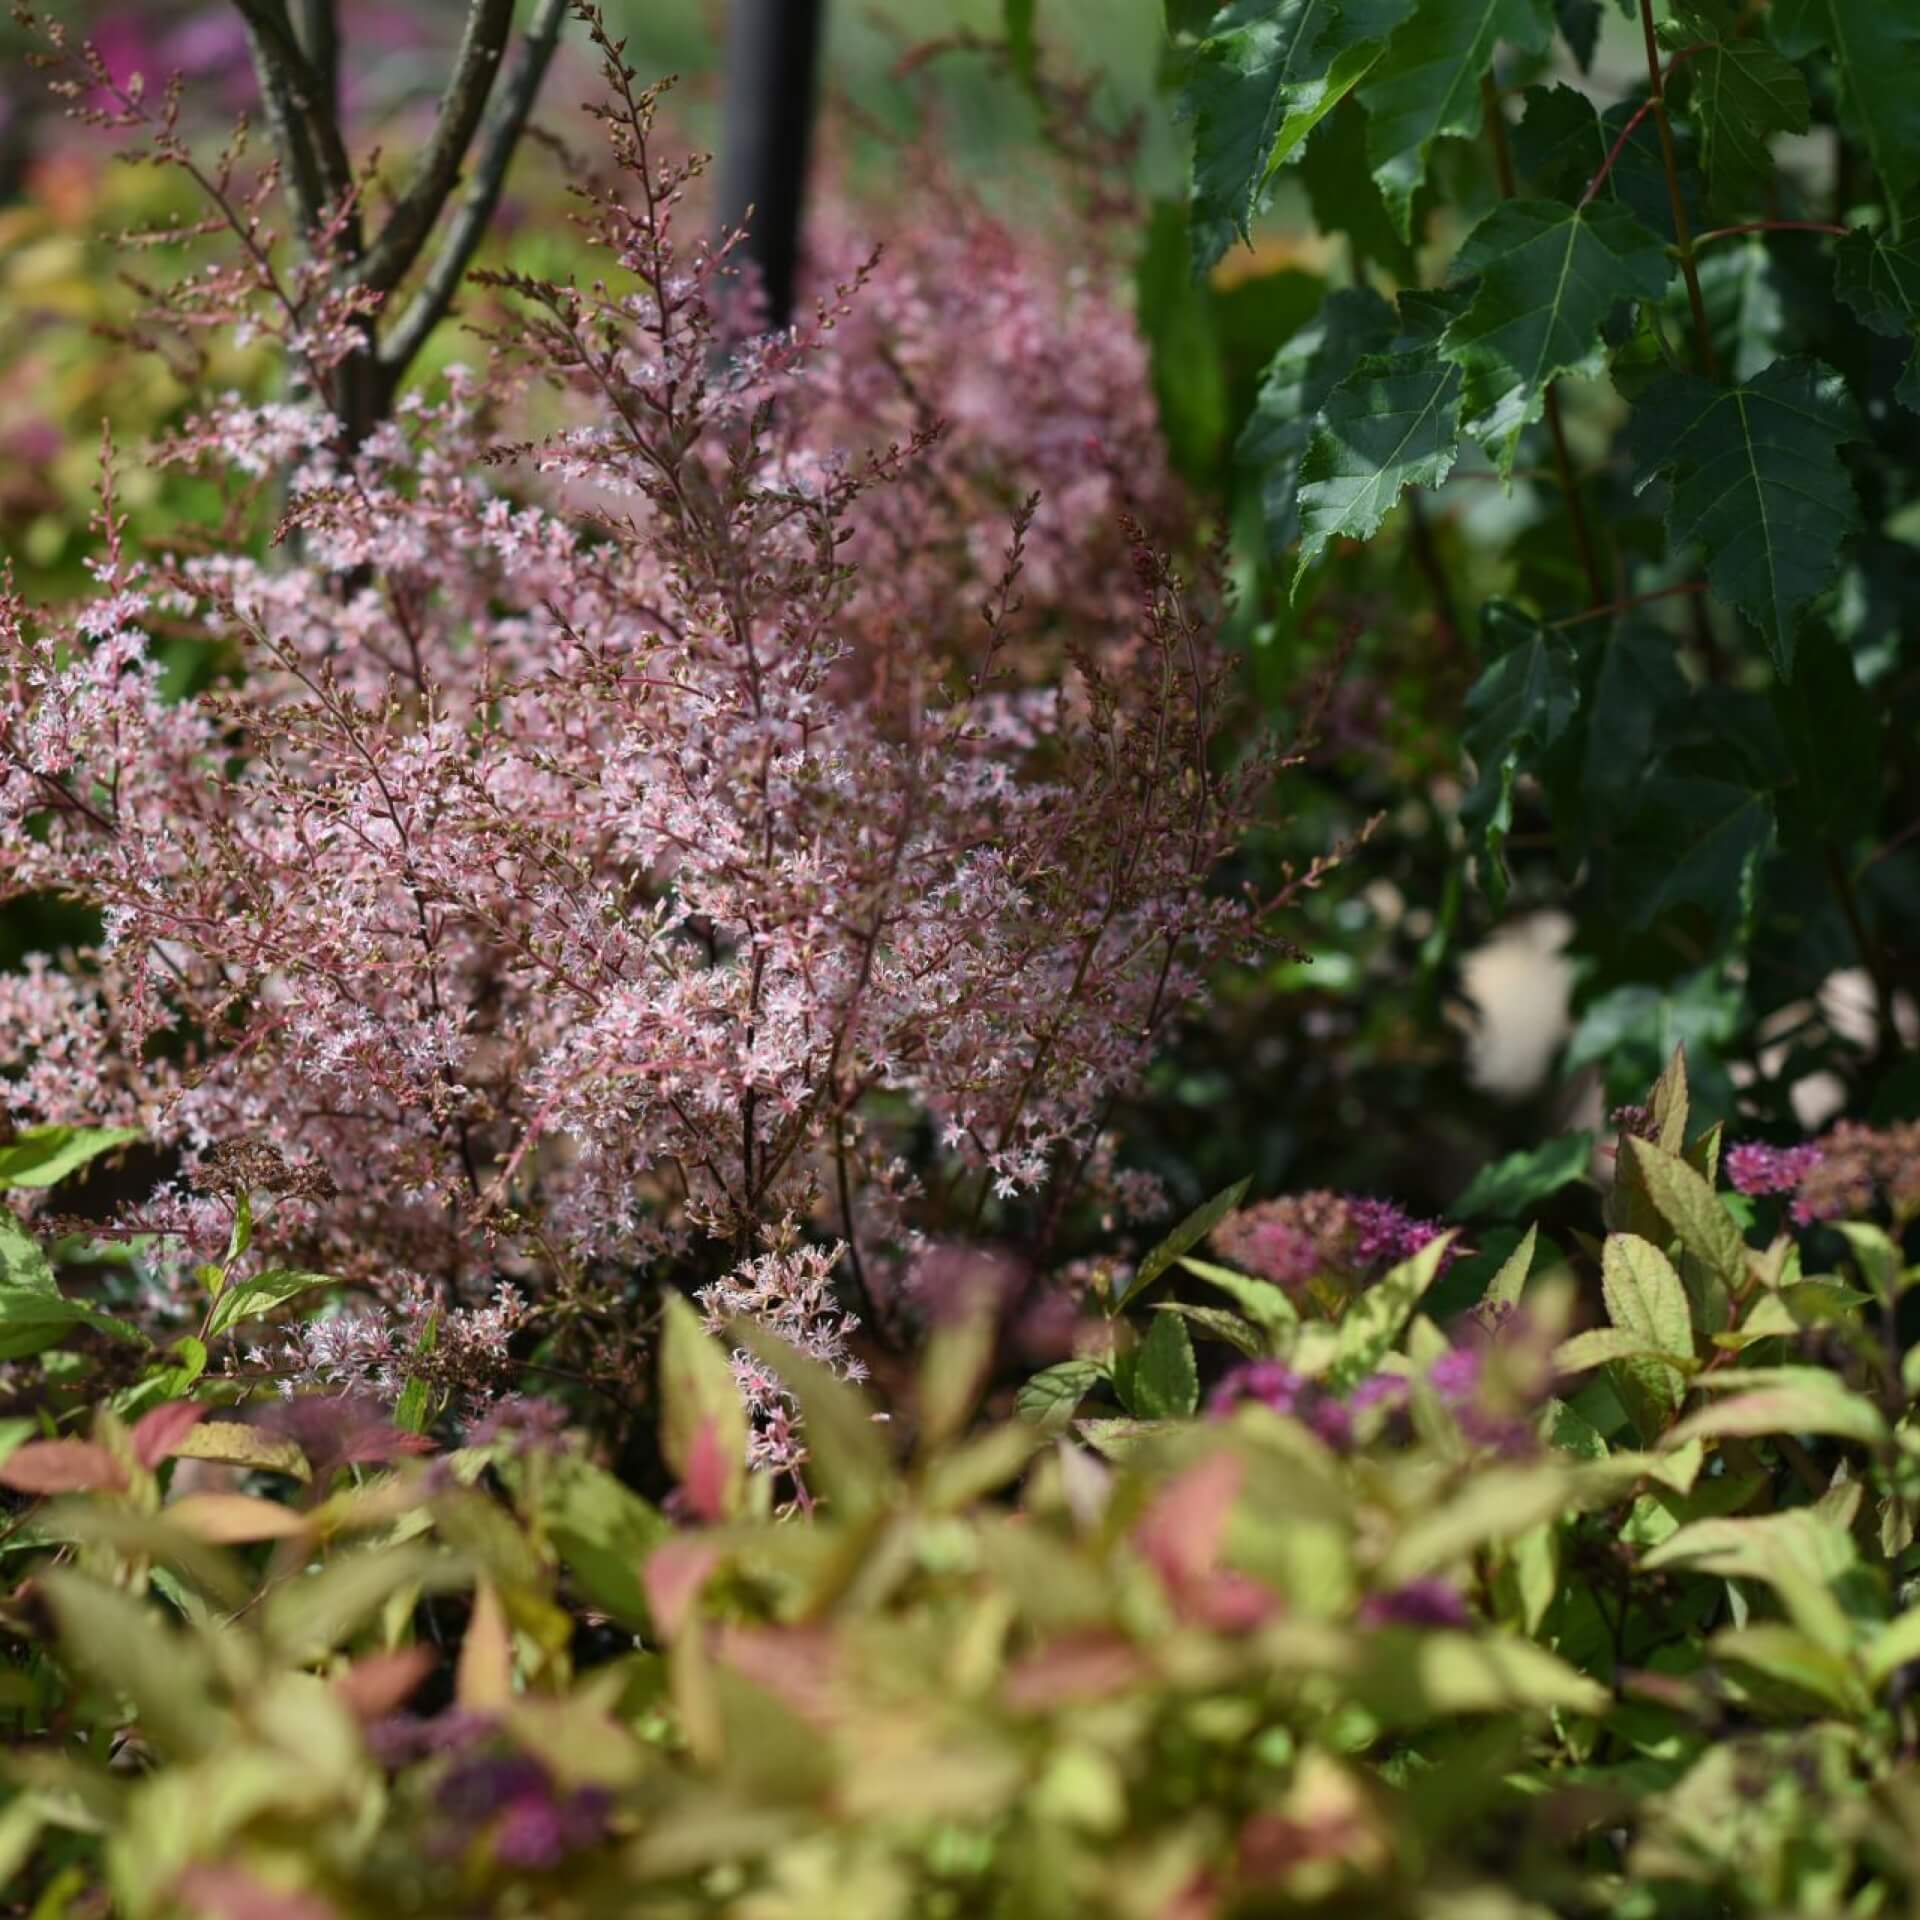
x,y
376,1686
483,1681
231,1519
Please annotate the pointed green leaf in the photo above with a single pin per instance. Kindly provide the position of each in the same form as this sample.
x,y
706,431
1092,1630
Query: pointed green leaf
x,y
1263,1303
1697,1215
252,1299
1052,1396
1351,323
1374,1321
1875,49
1784,1400
24,1267
1393,423
1183,1239
1427,85
1877,274
1739,94
1508,1187
1758,483
1506,1286
40,1156
1264,77
1165,1382
1549,276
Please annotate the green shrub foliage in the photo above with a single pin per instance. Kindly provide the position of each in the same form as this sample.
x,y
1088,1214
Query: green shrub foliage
x,y
1512,1579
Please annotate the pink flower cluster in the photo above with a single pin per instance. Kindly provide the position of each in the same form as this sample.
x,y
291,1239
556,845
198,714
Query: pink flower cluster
x,y
1338,1240
781,801
1845,1174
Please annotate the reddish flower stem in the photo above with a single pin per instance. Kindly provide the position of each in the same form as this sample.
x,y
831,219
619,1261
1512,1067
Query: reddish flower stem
x,y
1771,226
1623,606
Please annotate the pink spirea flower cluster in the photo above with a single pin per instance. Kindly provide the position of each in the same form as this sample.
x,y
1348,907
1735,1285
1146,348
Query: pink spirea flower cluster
x,y
1845,1174
1343,1240
778,793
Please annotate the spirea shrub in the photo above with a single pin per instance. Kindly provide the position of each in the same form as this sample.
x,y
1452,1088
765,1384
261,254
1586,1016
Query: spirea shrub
x,y
1589,1594
681,794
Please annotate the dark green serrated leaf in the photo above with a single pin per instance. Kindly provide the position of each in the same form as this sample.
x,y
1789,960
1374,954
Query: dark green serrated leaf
x,y
1832,726
1549,275
1739,94
1878,275
1694,843
1637,688
1393,423
1558,145
1353,322
1344,199
1579,22
1519,708
1267,73
1427,85
1016,18
1875,49
1758,483
1052,1396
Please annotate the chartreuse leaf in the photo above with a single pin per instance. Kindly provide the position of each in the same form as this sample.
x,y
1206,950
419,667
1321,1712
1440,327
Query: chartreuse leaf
x,y
1698,1217
1255,88
252,1299
1739,93
1052,1396
1427,85
1781,1659
1393,423
1263,1303
1016,17
1800,1554
1182,1240
1375,1320
1299,378
40,1156
1875,49
1757,483
1549,275
1790,1400
604,1533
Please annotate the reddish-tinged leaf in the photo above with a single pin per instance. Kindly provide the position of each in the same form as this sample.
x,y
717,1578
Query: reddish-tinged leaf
x,y
378,1685
794,1664
675,1572
211,1892
707,1484
157,1435
1078,1666
62,1466
1182,1529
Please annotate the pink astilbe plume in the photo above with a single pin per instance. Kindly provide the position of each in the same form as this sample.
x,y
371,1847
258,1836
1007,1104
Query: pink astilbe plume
x,y
780,801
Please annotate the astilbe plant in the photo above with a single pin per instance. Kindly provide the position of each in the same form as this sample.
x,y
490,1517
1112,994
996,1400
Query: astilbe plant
x,y
766,806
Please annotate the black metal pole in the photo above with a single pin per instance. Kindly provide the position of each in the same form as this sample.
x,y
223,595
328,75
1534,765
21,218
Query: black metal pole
x,y
773,49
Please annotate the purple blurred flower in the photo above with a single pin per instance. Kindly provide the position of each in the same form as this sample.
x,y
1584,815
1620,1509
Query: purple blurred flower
x,y
1755,1167
476,1789
538,1831
1429,1602
1385,1234
1455,1376
531,1424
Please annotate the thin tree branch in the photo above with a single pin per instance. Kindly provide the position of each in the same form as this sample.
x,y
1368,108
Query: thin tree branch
x,y
506,121
408,227
1676,200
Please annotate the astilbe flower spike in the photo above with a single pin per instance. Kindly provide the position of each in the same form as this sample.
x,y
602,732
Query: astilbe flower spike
x,y
620,845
